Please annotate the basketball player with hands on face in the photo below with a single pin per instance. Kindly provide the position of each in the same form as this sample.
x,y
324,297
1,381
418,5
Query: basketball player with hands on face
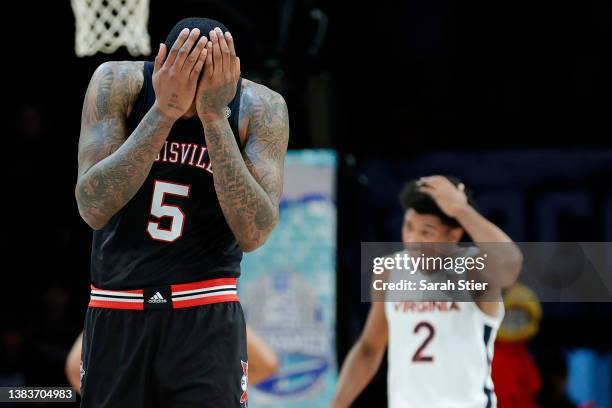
x,y
180,170
439,352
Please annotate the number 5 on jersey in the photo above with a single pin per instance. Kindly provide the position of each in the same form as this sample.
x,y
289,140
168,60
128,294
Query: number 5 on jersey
x,y
160,210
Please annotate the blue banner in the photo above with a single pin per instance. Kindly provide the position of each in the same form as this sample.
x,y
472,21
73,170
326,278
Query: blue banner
x,y
288,287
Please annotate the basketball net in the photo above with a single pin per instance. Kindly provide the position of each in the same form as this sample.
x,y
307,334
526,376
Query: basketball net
x,y
105,25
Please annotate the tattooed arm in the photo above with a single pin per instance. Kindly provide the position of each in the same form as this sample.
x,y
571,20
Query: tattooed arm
x,y
113,166
249,183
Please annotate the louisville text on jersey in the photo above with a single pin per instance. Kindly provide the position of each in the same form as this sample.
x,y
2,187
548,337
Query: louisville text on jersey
x,y
190,154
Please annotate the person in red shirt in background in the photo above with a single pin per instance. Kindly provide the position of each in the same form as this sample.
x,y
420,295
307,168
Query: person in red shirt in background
x,y
515,375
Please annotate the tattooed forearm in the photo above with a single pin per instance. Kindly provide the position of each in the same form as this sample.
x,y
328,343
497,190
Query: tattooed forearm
x,y
249,183
112,166
109,184
247,208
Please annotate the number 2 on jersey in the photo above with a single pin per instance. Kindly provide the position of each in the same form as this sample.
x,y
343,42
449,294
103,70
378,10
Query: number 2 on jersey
x,y
159,210
419,355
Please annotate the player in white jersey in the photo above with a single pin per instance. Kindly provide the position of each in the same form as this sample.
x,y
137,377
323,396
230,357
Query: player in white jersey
x,y
439,352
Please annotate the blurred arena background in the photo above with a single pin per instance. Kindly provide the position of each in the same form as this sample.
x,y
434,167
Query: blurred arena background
x,y
513,97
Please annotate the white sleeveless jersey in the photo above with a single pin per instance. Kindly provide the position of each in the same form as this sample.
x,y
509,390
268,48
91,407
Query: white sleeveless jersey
x,y
439,355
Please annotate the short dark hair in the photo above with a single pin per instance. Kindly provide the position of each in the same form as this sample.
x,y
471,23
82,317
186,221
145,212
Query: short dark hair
x,y
411,197
206,25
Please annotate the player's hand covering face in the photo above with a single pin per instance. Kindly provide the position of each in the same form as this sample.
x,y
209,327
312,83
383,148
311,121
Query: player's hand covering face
x,y
217,86
175,78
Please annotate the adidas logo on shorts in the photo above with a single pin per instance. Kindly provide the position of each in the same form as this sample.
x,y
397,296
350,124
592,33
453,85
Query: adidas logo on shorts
x,y
157,298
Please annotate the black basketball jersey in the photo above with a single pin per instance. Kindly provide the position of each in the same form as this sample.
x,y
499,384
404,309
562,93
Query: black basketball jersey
x,y
173,229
